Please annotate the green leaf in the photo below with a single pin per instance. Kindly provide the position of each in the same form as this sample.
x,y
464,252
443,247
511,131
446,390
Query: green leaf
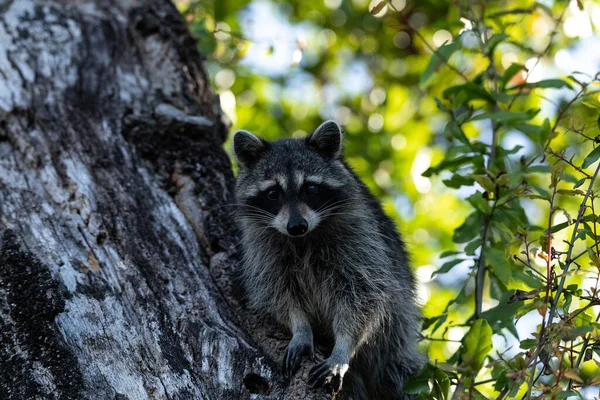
x,y
528,344
446,267
477,343
567,303
510,72
441,385
471,90
504,180
594,258
420,382
501,266
485,182
502,316
469,229
558,227
566,192
477,201
539,169
452,130
457,181
513,150
439,323
543,84
579,331
591,158
472,246
502,116
494,41
445,52
528,279
453,164
579,183
449,253
566,395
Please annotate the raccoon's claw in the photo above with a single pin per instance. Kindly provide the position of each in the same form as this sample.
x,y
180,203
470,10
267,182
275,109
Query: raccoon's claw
x,y
327,374
293,357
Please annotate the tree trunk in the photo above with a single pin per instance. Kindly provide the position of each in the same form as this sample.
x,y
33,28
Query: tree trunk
x,y
116,249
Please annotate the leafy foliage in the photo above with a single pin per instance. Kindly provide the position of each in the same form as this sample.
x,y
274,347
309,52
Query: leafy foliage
x,y
484,151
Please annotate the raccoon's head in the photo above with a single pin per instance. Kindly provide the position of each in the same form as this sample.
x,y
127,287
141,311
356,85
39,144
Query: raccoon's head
x,y
292,185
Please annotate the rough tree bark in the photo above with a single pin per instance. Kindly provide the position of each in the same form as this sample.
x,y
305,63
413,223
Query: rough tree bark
x,y
116,250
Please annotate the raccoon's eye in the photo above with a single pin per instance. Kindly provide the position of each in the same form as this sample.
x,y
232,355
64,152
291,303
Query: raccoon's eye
x,y
273,194
312,189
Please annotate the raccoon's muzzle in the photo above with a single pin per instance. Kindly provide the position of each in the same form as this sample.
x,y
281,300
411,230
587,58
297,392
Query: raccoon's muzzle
x,y
297,226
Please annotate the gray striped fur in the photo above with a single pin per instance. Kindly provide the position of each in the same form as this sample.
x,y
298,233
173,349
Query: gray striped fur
x,y
348,278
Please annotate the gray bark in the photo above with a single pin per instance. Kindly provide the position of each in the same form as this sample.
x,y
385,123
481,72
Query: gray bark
x,y
117,251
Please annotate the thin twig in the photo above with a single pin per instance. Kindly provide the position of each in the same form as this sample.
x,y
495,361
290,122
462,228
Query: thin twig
x,y
568,263
548,284
567,161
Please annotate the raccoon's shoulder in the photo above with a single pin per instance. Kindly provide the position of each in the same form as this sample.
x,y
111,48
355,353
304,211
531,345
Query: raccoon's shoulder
x,y
385,225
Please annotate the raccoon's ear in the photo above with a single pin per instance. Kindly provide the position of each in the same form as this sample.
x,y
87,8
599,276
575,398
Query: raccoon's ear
x,y
248,148
326,140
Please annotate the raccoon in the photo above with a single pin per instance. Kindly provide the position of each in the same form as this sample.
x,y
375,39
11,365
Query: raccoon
x,y
320,254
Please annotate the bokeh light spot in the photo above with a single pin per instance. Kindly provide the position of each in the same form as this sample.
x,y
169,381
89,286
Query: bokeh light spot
x,y
442,37
225,78
375,122
398,68
333,3
398,141
382,12
377,96
398,5
222,31
401,40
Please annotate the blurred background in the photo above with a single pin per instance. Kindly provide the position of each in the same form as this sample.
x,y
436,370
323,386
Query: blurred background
x,y
281,68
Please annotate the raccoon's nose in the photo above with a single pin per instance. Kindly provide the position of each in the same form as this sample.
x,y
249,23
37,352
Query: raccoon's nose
x,y
297,227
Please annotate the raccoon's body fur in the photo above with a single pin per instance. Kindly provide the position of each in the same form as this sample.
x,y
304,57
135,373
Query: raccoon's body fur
x,y
320,254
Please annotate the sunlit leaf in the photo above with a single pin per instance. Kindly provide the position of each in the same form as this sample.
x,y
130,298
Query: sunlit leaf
x,y
572,374
543,84
594,258
477,344
446,267
591,158
510,72
499,263
579,183
485,182
472,247
469,229
477,201
579,331
528,344
502,116
494,41
471,90
449,253
440,57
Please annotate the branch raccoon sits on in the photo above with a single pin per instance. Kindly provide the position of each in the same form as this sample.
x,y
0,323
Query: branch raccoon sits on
x,y
319,253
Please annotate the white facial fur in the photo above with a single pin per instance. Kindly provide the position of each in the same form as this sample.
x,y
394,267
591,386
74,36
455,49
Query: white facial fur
x,y
311,217
281,220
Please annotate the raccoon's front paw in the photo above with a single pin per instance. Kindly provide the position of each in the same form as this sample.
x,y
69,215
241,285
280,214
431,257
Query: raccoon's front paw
x,y
328,374
294,354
